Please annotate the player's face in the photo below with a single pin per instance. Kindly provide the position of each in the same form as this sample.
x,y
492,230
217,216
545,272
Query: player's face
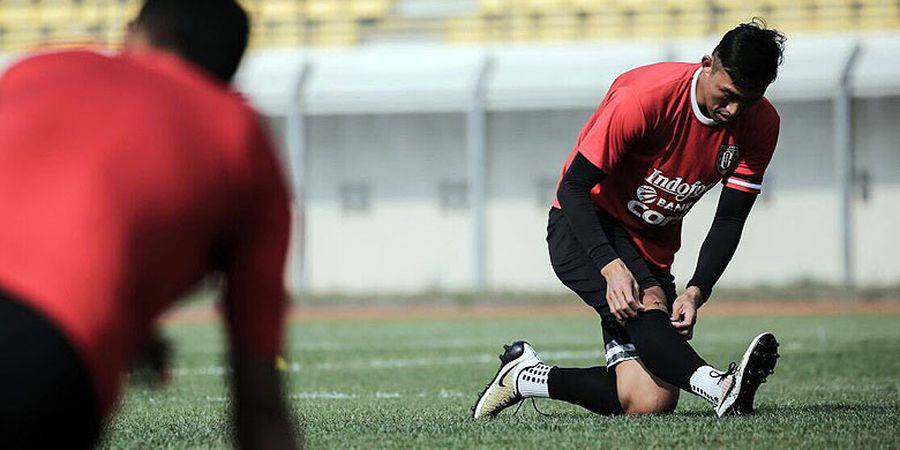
x,y
724,100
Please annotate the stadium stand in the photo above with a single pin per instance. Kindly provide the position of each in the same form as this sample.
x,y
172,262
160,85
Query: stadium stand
x,y
27,24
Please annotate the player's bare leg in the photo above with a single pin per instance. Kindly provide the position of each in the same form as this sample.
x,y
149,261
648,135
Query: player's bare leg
x,y
641,393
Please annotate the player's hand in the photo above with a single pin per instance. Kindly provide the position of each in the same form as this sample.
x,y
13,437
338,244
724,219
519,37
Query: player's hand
x,y
684,311
622,291
152,365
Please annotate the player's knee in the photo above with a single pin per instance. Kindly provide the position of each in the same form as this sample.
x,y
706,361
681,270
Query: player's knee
x,y
654,298
649,402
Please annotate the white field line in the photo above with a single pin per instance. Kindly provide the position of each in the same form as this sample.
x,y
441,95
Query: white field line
x,y
397,363
378,395
412,343
299,343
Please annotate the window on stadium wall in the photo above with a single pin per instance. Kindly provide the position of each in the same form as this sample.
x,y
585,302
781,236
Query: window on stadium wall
x,y
804,159
453,195
526,151
356,197
391,160
876,138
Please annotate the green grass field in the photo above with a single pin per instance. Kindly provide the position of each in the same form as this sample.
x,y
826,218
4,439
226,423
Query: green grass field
x,y
410,384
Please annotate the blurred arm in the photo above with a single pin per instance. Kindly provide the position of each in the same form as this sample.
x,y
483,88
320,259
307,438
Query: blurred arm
x,y
261,419
255,297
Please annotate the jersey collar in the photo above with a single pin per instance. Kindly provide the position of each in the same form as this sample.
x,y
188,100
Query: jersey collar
x,y
695,106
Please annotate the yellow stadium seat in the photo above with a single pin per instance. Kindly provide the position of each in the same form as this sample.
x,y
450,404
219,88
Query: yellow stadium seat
x,y
731,14
560,27
594,6
497,28
606,26
20,37
639,6
879,14
466,29
639,18
19,14
55,13
835,15
792,16
326,10
88,14
653,25
369,9
280,9
688,19
278,23
494,7
522,28
336,34
543,7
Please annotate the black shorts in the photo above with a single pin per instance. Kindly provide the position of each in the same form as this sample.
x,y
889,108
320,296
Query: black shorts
x,y
46,396
577,271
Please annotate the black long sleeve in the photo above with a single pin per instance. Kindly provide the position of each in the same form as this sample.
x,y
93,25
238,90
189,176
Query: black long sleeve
x,y
722,239
574,195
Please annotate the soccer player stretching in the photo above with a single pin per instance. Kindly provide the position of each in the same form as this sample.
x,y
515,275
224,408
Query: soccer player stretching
x,y
664,135
124,180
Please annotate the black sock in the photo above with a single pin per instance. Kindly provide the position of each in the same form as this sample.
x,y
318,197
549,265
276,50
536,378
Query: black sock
x,y
593,388
663,351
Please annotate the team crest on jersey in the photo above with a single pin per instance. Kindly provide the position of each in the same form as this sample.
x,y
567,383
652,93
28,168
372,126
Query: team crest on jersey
x,y
727,158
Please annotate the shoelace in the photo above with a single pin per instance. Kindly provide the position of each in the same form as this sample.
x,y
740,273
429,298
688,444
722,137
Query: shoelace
x,y
732,369
533,405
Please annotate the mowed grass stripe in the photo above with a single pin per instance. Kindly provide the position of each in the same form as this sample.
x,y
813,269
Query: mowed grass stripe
x,y
837,385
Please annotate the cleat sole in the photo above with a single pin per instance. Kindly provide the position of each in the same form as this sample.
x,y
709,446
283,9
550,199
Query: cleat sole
x,y
761,364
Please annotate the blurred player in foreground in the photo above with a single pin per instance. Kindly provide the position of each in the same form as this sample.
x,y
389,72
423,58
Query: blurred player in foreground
x,y
664,135
125,180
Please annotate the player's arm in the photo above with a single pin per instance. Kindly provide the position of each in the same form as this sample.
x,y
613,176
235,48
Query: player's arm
x,y
574,196
719,246
619,124
254,308
255,298
722,240
261,417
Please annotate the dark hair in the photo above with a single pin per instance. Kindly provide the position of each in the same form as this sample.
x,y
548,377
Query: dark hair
x,y
210,33
751,54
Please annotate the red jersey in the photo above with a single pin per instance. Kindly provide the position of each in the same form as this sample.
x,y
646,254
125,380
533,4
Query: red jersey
x,y
124,180
660,154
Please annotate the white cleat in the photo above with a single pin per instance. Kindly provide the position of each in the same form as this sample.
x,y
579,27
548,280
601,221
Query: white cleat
x,y
740,381
503,392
